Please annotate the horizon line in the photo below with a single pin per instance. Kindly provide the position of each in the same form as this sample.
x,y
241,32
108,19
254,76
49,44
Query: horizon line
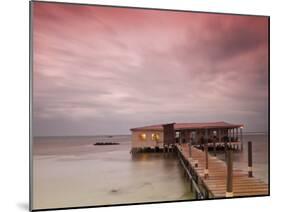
x,y
246,132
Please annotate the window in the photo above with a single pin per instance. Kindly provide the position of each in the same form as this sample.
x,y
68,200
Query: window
x,y
142,136
155,137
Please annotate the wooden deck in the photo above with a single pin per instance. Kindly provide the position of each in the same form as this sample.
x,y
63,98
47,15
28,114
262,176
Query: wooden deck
x,y
215,183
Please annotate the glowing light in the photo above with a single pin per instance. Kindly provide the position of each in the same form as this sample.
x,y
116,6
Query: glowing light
x,y
155,137
143,136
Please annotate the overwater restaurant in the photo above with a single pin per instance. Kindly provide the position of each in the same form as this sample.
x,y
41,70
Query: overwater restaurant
x,y
166,135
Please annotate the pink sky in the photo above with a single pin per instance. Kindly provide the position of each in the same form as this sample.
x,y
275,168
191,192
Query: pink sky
x,y
103,70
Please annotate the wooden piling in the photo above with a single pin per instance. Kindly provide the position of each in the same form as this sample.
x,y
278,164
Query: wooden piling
x,y
195,163
225,147
214,147
206,171
229,176
196,195
250,159
190,152
241,137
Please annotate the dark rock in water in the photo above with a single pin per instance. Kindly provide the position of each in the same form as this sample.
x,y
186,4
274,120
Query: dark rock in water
x,y
106,143
114,190
147,184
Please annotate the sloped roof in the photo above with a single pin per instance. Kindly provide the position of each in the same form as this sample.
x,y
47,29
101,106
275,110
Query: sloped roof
x,y
191,126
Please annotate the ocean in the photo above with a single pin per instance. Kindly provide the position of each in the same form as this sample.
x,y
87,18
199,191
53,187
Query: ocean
x,y
72,172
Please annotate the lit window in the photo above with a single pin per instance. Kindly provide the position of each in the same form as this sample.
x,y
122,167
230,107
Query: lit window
x,y
155,137
143,136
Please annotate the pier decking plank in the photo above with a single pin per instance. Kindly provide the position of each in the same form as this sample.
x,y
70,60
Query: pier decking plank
x,y
217,175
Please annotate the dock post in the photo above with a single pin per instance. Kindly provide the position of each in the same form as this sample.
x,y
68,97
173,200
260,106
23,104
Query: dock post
x,y
191,186
233,134
206,171
196,163
229,186
225,149
190,153
250,159
214,147
241,135
196,195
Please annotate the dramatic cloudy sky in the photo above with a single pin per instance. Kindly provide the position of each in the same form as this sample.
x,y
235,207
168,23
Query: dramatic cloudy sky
x,y
100,70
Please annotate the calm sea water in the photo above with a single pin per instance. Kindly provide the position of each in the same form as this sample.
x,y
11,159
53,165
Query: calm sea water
x,y
71,171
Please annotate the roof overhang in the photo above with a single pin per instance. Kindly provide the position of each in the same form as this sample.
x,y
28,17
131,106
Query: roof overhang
x,y
191,126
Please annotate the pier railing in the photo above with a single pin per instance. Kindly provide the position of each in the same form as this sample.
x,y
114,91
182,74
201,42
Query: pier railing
x,y
191,176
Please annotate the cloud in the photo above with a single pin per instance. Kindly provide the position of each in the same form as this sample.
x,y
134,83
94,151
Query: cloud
x,y
104,70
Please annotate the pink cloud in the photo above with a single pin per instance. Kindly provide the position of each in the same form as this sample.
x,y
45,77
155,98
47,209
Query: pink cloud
x,y
96,65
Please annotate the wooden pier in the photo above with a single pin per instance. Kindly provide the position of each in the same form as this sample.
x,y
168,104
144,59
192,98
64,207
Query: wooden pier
x,y
212,178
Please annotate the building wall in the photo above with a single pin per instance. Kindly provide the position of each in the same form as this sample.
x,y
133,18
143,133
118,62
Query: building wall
x,y
169,134
137,142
